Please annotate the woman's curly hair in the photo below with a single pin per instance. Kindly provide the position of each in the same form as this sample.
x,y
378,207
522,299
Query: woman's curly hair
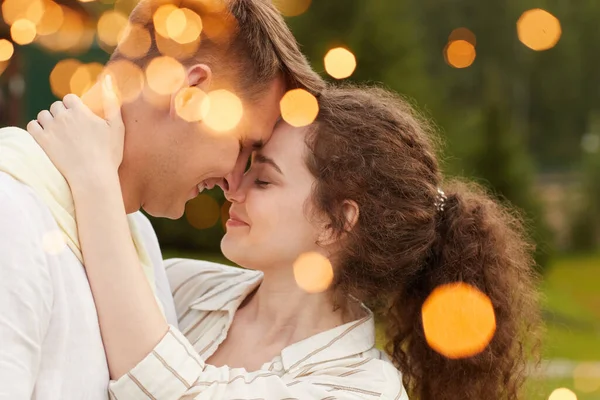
x,y
368,145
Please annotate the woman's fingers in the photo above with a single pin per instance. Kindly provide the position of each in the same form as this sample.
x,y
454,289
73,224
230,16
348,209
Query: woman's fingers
x,y
110,101
72,101
56,108
34,128
44,118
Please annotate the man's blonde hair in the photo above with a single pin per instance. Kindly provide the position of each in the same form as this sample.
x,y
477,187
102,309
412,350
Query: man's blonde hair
x,y
247,41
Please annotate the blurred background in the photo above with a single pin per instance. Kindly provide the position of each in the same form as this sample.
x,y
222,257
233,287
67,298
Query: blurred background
x,y
513,86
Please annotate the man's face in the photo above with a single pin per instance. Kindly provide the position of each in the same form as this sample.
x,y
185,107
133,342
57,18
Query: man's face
x,y
188,157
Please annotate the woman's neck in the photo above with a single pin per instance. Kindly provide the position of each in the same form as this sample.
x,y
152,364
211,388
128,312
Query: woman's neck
x,y
284,312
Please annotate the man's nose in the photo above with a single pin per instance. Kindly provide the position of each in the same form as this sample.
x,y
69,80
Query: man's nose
x,y
235,192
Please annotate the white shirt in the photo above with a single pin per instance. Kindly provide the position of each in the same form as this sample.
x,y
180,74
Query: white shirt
x,y
341,363
50,344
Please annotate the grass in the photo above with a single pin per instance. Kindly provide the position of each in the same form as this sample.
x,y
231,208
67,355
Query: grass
x,y
571,303
541,389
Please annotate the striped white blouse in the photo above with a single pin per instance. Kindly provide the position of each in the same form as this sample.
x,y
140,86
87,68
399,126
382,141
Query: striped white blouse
x,y
341,363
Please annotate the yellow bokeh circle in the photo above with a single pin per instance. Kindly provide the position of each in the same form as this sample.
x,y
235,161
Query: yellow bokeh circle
x,y
299,108
224,110
23,31
340,63
538,29
562,394
460,54
458,320
313,272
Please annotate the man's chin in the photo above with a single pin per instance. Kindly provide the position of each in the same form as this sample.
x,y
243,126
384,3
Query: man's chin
x,y
171,213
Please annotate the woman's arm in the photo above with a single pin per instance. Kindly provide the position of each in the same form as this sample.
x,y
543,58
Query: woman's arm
x,y
130,320
88,151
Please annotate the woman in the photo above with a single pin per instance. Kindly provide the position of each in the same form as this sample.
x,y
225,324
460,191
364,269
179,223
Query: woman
x,y
361,186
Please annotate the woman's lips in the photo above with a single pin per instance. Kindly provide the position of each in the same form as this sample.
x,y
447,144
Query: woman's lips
x,y
234,220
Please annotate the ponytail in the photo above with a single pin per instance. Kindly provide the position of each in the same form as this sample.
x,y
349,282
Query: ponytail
x,y
483,244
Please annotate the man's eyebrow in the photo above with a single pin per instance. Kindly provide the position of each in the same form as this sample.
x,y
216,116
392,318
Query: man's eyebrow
x,y
261,159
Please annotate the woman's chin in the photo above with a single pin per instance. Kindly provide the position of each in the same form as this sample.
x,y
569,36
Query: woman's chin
x,y
231,249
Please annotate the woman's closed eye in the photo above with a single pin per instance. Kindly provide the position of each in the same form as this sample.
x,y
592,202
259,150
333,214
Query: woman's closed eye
x,y
260,183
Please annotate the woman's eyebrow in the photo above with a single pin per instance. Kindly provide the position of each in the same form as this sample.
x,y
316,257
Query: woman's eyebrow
x,y
262,159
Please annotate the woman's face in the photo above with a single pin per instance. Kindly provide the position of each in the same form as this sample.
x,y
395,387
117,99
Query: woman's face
x,y
270,221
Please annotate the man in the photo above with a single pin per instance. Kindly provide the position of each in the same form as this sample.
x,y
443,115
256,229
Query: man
x,y
50,345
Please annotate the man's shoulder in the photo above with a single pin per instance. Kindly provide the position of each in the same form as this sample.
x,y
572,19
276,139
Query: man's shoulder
x,y
13,129
16,196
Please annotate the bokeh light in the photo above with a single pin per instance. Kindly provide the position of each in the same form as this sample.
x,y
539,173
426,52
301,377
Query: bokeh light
x,y
3,66
161,15
313,272
203,212
340,63
562,394
292,8
23,31
135,41
128,79
35,10
111,27
458,320
586,377
54,242
218,26
184,26
72,35
538,29
590,142
460,54
299,108
175,23
51,20
6,50
165,75
13,10
84,77
225,110
178,51
191,104
463,33
60,77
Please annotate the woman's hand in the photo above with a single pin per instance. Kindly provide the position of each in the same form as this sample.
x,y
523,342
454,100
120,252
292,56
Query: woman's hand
x,y
82,145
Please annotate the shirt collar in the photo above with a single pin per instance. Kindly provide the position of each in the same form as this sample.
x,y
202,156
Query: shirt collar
x,y
343,341
228,295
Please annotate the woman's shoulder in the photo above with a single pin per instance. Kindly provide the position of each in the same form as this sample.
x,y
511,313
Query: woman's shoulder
x,y
371,374
194,281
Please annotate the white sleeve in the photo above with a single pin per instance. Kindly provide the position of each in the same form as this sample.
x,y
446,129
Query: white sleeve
x,y
163,290
26,297
173,371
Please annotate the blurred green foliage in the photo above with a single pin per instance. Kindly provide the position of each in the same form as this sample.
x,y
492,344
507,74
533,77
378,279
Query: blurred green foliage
x,y
514,113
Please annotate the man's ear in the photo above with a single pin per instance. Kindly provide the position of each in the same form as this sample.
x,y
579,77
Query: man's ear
x,y
199,76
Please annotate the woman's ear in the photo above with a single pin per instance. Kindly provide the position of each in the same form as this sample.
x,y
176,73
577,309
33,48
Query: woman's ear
x,y
351,212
